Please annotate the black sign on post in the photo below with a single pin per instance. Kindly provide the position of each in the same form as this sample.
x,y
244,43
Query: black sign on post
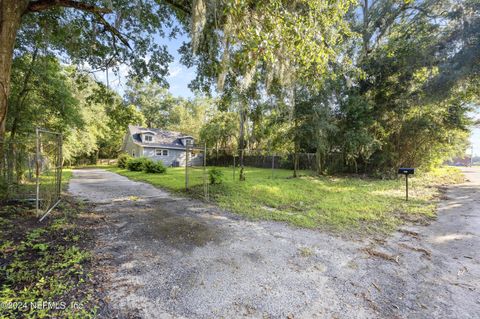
x,y
406,172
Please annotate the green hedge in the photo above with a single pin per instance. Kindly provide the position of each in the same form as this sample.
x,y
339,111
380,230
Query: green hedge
x,y
122,160
147,165
136,164
152,167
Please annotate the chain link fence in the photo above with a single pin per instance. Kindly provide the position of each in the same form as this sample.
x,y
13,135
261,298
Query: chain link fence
x,y
18,171
31,171
276,160
196,175
200,161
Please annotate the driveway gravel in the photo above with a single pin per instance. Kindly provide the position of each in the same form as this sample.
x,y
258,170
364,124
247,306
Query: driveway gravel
x,y
164,256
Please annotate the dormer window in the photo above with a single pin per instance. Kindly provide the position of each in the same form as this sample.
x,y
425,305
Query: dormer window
x,y
187,140
147,138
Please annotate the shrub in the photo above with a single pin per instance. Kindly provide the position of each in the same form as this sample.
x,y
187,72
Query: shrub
x,y
136,163
216,176
122,160
154,167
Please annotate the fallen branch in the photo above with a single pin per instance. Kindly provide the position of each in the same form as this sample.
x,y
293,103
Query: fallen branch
x,y
421,250
379,254
409,232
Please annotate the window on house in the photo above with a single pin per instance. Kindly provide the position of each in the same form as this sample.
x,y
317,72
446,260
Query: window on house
x,y
148,138
161,152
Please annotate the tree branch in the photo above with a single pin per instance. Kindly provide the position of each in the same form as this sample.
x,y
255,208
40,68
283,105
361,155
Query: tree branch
x,y
41,5
178,6
112,29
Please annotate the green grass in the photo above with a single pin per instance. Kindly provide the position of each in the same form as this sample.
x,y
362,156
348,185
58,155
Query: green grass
x,y
312,201
27,188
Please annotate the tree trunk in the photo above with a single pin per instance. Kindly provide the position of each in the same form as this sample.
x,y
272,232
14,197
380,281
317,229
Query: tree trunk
x,y
319,162
366,21
10,17
16,160
295,159
241,144
296,145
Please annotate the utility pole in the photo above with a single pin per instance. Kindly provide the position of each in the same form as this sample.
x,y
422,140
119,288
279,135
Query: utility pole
x,y
187,155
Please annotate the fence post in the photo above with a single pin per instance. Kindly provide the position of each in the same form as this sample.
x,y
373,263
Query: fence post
x,y
205,182
273,164
186,166
60,164
37,170
233,167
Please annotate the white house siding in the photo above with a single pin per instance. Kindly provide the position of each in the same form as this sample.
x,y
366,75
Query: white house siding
x,y
174,155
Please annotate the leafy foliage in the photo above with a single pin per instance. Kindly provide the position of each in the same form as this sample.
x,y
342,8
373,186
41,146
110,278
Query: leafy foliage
x,y
154,167
153,101
215,176
122,160
366,87
136,164
221,129
48,263
63,99
103,34
402,98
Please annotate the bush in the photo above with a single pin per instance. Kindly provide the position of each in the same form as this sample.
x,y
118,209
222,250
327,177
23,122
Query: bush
x,y
122,160
136,163
216,176
154,167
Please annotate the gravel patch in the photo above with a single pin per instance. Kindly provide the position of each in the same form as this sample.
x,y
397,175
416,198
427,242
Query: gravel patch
x,y
173,257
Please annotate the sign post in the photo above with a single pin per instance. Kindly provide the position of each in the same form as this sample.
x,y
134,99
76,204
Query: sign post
x,y
406,172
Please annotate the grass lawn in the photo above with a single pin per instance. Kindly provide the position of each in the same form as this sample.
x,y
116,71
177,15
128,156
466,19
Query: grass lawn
x,y
313,201
27,188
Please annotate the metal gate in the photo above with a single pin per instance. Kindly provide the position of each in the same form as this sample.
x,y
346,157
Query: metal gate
x,y
31,170
48,165
196,175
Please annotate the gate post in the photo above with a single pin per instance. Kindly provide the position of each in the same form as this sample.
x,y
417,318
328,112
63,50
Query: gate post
x,y
186,165
205,179
37,170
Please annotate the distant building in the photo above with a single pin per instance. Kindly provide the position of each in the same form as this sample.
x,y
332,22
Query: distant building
x,y
160,145
460,161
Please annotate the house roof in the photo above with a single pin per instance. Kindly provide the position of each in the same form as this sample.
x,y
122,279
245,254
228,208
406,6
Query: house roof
x,y
160,138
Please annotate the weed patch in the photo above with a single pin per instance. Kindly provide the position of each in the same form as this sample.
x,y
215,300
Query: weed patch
x,y
45,268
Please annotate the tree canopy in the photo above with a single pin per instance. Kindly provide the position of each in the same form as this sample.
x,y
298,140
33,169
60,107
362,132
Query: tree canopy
x,y
367,87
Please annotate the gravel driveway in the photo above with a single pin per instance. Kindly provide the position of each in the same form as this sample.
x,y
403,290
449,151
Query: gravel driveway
x,y
163,256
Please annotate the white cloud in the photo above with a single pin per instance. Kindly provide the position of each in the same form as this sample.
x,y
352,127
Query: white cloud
x,y
175,69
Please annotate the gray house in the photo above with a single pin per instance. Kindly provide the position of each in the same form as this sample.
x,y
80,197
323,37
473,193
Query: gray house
x,y
160,145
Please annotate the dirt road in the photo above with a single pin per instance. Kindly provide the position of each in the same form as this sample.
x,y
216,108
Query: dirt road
x,y
169,257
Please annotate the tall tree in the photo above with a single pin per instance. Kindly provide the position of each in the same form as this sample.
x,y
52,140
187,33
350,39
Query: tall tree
x,y
254,44
99,32
153,100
